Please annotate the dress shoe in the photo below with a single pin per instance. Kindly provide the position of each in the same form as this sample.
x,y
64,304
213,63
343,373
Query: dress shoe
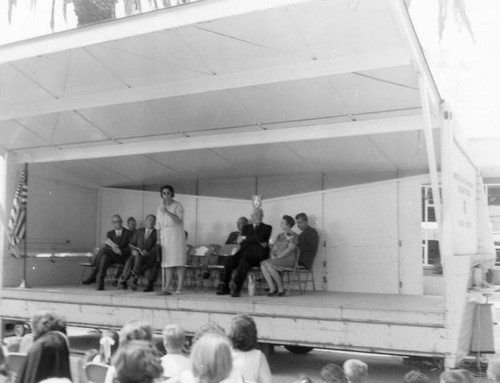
x,y
135,284
148,288
164,292
272,293
235,294
88,281
100,287
114,283
122,285
281,293
232,286
223,292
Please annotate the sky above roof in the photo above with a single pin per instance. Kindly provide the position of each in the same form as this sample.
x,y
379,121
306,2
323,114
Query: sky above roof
x,y
465,61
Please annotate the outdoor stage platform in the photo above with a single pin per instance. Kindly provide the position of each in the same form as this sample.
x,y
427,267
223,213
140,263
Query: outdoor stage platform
x,y
393,324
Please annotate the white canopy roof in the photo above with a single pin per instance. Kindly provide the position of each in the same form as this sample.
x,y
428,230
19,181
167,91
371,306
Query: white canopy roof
x,y
219,89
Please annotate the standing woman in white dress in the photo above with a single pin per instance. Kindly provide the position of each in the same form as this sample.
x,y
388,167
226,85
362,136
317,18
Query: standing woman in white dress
x,y
172,237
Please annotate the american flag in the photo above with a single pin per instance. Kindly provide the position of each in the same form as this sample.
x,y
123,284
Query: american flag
x,y
17,220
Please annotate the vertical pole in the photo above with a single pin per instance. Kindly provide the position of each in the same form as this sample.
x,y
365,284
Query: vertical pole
x,y
431,155
446,242
24,283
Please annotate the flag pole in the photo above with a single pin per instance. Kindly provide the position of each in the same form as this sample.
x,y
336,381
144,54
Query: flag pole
x,y
24,283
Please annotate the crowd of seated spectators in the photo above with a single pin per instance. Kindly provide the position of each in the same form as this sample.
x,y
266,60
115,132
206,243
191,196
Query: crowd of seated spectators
x,y
211,356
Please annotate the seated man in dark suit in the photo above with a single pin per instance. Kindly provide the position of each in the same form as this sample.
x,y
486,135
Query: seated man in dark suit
x,y
254,241
308,241
116,250
144,253
232,239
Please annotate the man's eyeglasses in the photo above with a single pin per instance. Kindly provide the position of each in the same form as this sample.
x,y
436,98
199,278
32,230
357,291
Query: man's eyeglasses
x,y
116,221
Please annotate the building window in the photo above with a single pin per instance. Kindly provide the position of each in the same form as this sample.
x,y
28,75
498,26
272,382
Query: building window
x,y
429,229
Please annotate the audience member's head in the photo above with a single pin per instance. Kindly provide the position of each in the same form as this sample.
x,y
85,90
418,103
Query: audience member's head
x,y
48,357
355,370
303,379
456,376
243,332
332,373
302,221
136,330
415,376
494,369
26,342
207,328
211,358
242,221
109,343
45,321
174,338
131,223
137,362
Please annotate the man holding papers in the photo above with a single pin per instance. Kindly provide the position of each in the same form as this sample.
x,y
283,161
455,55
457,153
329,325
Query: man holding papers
x,y
144,252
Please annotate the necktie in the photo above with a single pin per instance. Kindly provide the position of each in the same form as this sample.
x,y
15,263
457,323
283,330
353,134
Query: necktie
x,y
148,231
118,234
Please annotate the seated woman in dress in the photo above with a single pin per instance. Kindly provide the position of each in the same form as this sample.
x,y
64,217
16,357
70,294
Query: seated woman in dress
x,y
283,254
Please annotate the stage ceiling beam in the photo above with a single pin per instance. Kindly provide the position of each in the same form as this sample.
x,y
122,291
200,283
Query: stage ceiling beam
x,y
168,18
261,76
303,133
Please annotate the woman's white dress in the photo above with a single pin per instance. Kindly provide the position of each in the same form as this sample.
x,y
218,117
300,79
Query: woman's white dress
x,y
172,235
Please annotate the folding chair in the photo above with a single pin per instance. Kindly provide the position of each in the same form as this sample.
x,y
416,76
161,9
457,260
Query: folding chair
x,y
216,269
293,276
15,362
96,372
198,259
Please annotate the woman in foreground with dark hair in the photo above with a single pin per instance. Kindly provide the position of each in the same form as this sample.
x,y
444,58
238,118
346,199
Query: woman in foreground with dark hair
x,y
250,361
48,357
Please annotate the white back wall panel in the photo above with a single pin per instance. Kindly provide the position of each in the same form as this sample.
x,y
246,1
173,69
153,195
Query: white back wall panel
x,y
361,236
217,218
61,216
126,203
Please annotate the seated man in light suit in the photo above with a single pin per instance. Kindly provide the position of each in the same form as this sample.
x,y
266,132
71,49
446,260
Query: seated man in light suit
x,y
116,250
254,241
144,253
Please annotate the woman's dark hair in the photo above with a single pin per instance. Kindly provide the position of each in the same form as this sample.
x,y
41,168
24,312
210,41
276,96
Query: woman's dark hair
x,y
243,332
169,188
289,220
